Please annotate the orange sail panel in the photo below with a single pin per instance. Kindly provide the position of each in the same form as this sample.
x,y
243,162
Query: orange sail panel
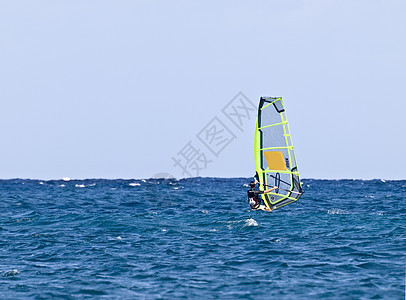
x,y
275,160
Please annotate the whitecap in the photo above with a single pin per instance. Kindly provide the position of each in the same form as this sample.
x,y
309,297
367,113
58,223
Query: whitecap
x,y
11,272
176,188
119,238
336,211
66,179
79,185
143,180
205,211
245,185
383,180
134,184
41,183
61,185
251,222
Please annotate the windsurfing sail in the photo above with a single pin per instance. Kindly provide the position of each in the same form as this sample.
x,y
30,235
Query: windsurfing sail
x,y
275,161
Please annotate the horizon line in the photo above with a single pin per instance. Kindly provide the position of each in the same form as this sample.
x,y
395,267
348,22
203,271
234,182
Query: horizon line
x,y
183,178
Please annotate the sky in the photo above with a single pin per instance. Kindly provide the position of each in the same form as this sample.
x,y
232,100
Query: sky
x,y
126,89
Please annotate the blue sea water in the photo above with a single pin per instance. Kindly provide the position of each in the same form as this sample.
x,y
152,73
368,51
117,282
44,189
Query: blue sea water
x,y
197,239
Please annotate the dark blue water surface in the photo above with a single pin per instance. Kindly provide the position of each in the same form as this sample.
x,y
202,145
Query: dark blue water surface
x,y
197,239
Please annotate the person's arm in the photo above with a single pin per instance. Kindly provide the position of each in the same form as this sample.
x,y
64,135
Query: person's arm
x,y
270,190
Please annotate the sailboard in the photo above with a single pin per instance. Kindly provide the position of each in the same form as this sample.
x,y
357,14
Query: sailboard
x,y
275,161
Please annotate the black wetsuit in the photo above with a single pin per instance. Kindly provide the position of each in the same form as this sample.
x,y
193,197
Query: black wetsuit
x,y
253,197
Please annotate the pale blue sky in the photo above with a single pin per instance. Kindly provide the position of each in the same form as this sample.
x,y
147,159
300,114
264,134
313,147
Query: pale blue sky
x,y
115,89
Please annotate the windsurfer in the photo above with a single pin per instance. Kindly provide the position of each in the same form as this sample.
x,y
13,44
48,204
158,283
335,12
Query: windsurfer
x,y
254,199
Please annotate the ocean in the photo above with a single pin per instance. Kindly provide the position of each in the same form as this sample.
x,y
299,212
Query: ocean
x,y
197,238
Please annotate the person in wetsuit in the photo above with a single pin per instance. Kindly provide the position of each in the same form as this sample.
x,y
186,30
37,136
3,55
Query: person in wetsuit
x,y
253,196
